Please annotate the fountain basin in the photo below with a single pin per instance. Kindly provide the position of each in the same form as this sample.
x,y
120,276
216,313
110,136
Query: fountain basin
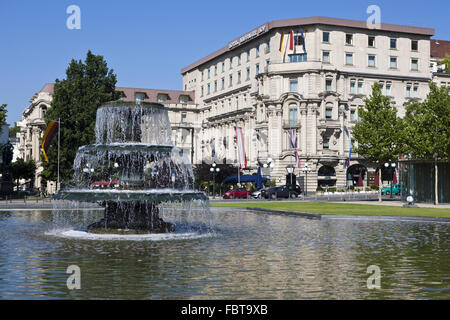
x,y
155,195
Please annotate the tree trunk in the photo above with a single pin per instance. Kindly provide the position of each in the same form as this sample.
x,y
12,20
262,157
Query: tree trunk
x,y
436,193
379,187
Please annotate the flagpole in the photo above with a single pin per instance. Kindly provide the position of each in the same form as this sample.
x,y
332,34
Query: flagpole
x,y
59,141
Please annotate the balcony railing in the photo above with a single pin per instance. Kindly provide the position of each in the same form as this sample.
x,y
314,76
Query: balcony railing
x,y
291,124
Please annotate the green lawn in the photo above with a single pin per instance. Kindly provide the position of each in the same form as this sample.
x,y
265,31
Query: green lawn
x,y
342,208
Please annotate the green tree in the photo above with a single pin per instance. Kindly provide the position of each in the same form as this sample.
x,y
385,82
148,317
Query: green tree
x,y
75,102
21,169
379,133
3,113
428,128
445,62
14,130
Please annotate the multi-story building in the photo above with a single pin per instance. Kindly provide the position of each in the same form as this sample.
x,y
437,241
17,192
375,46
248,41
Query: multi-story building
x,y
265,86
438,50
182,110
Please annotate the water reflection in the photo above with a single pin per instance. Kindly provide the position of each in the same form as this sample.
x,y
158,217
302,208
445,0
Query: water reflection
x,y
251,256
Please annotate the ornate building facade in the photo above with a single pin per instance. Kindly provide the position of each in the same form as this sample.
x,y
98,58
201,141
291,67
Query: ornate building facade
x,y
268,87
183,115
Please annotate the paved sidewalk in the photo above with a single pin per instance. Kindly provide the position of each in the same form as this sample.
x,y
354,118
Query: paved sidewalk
x,y
397,204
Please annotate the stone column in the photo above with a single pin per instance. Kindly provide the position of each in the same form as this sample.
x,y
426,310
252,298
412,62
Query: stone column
x,y
303,131
342,139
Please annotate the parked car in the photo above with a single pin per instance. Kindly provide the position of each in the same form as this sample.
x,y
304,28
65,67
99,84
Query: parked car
x,y
282,192
395,189
237,193
257,194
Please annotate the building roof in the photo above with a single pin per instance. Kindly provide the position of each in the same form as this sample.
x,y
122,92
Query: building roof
x,y
48,87
151,95
308,21
438,48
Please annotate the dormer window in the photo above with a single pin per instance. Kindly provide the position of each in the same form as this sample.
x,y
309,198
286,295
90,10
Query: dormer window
x,y
162,97
184,99
139,97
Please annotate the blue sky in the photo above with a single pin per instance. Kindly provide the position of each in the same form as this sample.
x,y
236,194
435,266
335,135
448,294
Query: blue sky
x,y
147,43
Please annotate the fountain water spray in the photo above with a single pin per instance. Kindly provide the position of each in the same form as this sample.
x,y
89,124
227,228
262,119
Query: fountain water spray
x,y
133,170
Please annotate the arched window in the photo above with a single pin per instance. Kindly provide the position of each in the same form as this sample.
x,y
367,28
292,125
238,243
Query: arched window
x,y
293,114
43,110
327,171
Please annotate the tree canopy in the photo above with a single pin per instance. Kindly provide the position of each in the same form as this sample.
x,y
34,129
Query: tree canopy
x,y
75,102
3,113
21,169
427,134
379,133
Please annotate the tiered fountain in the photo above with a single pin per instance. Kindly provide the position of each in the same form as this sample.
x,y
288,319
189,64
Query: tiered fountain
x,y
132,169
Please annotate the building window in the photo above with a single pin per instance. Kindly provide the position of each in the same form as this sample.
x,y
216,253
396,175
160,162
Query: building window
x,y
302,57
298,40
408,90
239,60
257,51
223,83
393,43
293,116
326,56
239,77
414,45
329,113
248,55
183,99
415,64
349,59
293,86
202,91
415,91
352,115
209,73
257,68
328,84
393,64
248,73
215,86
267,65
349,39
371,60
360,87
388,89
231,80
209,89
268,47
326,142
162,97
352,86
139,96
231,63
326,37
183,117
371,42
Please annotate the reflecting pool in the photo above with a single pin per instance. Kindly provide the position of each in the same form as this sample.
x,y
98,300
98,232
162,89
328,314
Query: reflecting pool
x,y
247,255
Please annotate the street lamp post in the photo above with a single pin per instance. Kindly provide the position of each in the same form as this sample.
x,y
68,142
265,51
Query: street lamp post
x,y
214,171
305,170
290,170
391,165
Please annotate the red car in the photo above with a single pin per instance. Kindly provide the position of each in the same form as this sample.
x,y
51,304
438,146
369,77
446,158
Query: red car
x,y
237,193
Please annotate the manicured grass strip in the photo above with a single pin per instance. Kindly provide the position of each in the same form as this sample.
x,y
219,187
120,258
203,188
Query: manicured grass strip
x,y
343,208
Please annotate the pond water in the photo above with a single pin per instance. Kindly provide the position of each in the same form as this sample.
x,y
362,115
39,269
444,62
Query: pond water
x,y
248,255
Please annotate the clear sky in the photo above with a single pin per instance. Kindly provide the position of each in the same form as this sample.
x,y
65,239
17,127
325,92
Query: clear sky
x,y
147,43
